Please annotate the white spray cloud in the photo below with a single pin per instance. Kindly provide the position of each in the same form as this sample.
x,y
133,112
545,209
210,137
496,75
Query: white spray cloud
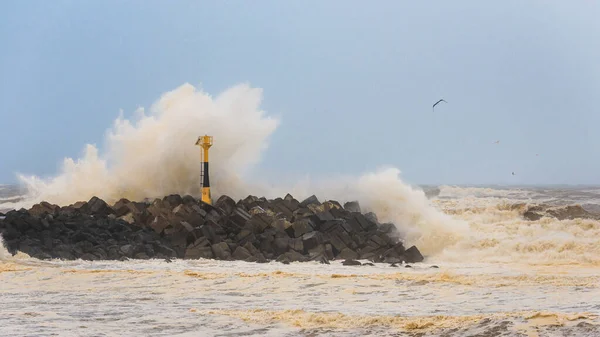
x,y
154,155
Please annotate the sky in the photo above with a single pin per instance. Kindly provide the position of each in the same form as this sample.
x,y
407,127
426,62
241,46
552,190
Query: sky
x,y
353,82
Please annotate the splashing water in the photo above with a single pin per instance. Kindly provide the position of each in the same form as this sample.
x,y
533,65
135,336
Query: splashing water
x,y
153,156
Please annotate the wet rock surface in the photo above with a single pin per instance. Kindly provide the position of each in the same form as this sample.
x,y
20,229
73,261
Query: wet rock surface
x,y
252,229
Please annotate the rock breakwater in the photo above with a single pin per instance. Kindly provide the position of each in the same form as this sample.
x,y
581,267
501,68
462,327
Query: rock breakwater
x,y
253,229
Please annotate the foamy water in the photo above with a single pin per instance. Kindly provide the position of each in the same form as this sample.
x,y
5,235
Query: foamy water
x,y
509,276
498,275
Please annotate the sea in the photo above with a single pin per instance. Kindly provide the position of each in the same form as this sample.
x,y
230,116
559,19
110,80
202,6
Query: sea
x,y
499,275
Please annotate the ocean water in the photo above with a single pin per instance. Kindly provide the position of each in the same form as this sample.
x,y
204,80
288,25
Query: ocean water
x,y
497,275
502,276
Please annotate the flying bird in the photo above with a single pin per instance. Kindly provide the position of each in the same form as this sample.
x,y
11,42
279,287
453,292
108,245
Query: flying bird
x,y
497,142
436,103
513,173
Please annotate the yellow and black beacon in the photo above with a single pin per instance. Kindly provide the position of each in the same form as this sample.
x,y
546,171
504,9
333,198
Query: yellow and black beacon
x,y
205,143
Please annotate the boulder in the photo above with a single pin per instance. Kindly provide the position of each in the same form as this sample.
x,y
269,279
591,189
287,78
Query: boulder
x,y
337,244
347,254
282,226
121,207
43,209
89,257
172,201
199,249
260,221
324,216
239,217
221,251
329,252
352,206
281,245
296,244
351,262
364,223
241,253
311,240
372,217
97,206
292,256
225,204
312,200
413,255
299,227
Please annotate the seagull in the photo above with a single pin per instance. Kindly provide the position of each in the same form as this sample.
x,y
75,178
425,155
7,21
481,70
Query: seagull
x,y
497,142
513,173
436,103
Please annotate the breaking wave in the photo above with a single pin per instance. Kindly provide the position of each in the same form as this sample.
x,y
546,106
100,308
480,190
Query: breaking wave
x,y
153,155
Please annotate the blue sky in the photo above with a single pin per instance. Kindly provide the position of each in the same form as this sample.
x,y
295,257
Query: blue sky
x,y
353,81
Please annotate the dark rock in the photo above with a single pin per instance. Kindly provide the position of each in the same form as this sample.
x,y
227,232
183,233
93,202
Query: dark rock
x,y
127,250
213,232
337,244
311,240
199,249
316,251
260,222
239,217
89,257
281,245
282,226
347,254
300,227
352,206
312,200
329,252
296,244
365,224
97,206
241,253
172,201
372,217
292,256
225,204
351,262
100,253
325,216
43,209
368,264
322,260
165,251
434,266
114,253
408,266
378,241
159,224
221,251
189,200
392,260
412,255
388,228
